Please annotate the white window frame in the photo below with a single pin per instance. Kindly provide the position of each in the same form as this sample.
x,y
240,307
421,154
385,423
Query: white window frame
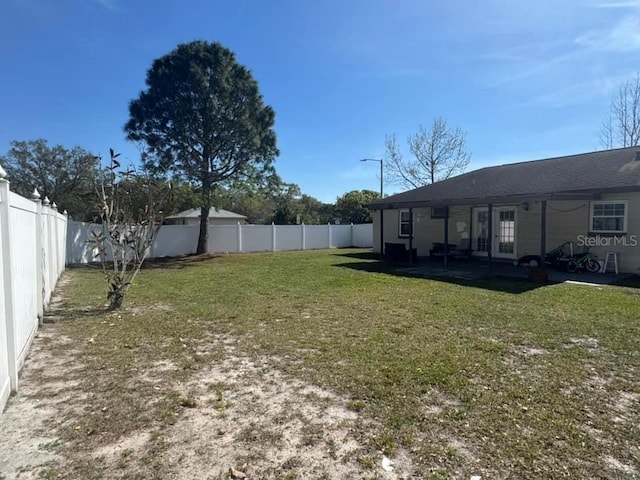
x,y
608,202
400,223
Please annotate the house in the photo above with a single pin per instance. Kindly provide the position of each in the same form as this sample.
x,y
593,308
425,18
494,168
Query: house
x,y
528,208
216,217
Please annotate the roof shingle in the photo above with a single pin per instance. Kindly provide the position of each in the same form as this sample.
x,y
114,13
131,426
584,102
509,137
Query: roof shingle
x,y
608,170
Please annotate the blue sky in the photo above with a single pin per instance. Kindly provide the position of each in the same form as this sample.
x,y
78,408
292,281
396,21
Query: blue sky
x,y
525,79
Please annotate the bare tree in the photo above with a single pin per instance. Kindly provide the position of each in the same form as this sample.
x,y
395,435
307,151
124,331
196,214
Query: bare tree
x,y
622,127
131,207
438,153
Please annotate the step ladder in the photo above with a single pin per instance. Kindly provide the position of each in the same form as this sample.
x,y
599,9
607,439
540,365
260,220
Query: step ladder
x,y
611,257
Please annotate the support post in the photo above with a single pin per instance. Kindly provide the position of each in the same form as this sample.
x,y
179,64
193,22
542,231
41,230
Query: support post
x,y
304,237
543,232
352,242
490,237
471,229
411,236
56,249
329,233
39,256
381,234
273,237
446,239
239,237
9,298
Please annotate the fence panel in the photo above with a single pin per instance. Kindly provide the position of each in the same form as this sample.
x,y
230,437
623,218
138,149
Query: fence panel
x,y
340,236
362,235
172,240
24,272
317,236
224,238
257,238
5,379
289,237
32,256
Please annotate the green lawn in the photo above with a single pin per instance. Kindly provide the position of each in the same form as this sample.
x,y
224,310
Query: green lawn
x,y
493,377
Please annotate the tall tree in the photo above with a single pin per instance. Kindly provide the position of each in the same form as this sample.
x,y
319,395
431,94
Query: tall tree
x,y
622,126
66,176
203,120
351,206
438,153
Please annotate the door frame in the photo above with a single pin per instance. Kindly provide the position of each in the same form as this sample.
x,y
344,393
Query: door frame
x,y
495,253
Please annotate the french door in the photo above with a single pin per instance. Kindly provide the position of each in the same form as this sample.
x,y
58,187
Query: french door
x,y
503,244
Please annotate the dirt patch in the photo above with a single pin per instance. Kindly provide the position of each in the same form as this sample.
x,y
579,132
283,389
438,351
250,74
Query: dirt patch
x,y
27,445
239,415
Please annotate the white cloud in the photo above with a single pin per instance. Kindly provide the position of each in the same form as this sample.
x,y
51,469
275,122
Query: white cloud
x,y
622,38
108,4
629,4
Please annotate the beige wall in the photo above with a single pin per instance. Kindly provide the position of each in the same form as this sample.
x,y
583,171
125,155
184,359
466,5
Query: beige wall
x,y
566,221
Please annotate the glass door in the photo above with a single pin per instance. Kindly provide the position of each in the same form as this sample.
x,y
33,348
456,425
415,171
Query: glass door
x,y
480,241
504,232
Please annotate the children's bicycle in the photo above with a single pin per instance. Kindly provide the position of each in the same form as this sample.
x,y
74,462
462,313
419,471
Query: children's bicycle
x,y
584,261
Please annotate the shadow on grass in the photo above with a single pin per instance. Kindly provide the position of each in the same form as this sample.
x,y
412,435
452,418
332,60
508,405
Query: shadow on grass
x,y
182,261
179,262
65,313
498,283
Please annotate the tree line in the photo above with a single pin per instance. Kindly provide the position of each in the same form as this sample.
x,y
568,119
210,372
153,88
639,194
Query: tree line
x,y
72,178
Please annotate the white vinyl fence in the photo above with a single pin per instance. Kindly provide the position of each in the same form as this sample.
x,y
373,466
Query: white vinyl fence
x,y
173,240
32,257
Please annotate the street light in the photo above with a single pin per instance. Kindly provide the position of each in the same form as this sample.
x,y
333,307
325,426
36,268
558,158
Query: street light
x,y
381,209
379,160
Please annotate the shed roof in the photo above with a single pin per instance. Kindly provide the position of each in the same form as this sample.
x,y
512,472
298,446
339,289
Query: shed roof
x,y
213,213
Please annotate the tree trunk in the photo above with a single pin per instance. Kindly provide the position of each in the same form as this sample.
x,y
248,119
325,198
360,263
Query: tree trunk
x,y
203,236
116,299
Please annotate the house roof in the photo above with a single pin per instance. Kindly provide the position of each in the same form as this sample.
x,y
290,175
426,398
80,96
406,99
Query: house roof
x,y
213,213
574,176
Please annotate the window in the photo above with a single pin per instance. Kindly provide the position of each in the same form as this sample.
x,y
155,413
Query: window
x,y
405,223
609,217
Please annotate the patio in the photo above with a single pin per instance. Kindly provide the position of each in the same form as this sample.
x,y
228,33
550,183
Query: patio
x,y
476,269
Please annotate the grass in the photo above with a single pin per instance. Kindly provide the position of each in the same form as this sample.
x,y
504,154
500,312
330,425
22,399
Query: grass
x,y
491,377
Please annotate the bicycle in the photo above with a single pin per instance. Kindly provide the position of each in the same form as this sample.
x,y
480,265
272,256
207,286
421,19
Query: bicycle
x,y
584,261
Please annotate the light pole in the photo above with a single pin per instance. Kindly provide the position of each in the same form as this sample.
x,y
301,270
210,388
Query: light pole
x,y
379,160
381,196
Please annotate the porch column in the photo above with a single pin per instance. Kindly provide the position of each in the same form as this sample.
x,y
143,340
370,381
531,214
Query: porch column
x,y
446,238
381,234
471,228
543,231
411,236
490,236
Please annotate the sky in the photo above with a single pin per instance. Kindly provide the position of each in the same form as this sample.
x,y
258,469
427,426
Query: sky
x,y
525,80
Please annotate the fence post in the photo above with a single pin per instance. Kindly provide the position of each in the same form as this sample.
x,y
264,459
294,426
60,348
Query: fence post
x,y
304,237
48,247
329,233
352,243
35,196
239,237
9,299
273,237
56,250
